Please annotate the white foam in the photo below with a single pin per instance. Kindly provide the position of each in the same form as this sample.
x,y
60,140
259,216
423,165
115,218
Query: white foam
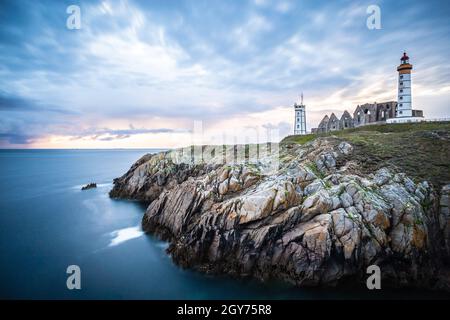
x,y
122,235
102,185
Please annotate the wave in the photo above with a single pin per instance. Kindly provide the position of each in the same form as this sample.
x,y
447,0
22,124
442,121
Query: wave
x,y
122,235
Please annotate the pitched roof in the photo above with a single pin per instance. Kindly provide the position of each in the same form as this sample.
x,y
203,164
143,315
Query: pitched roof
x,y
333,117
345,115
324,121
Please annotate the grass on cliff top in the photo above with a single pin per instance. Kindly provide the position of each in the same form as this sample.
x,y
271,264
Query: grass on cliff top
x,y
421,150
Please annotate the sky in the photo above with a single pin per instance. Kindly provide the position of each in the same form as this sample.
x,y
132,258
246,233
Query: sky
x,y
149,74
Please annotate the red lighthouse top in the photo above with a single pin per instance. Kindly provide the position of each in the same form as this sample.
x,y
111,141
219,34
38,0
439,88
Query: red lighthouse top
x,y
405,57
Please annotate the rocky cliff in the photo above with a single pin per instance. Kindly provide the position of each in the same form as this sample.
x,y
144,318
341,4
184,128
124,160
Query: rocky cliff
x,y
311,213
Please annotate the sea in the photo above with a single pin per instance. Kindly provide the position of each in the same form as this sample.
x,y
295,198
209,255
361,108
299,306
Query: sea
x,y
47,223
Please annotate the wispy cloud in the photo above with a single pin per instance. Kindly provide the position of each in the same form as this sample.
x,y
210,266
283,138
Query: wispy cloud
x,y
161,65
106,134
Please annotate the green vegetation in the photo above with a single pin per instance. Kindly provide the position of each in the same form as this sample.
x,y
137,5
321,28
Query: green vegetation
x,y
327,184
299,139
421,150
313,167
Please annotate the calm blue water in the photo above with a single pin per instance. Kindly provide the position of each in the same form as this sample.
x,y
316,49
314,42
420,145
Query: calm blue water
x,y
47,223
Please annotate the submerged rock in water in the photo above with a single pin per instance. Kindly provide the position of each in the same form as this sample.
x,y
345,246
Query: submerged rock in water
x,y
91,185
311,219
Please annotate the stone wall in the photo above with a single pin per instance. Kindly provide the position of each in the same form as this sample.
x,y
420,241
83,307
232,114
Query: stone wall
x,y
369,113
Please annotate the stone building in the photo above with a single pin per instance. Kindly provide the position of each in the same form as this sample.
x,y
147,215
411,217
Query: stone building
x,y
323,125
364,114
333,123
386,110
346,121
374,112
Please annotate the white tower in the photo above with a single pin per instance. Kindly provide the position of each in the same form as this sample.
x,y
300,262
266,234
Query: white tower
x,y
300,117
404,103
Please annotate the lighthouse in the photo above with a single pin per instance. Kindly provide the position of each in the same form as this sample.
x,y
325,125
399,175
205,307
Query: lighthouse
x,y
404,112
404,106
300,117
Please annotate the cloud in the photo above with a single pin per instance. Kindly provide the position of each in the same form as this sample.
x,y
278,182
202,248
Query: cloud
x,y
261,2
15,138
145,62
14,104
106,134
283,6
245,34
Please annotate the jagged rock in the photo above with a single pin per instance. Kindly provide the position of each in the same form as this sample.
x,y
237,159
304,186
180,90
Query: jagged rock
x,y
91,185
234,184
223,187
345,148
318,203
346,200
382,176
326,162
224,174
310,220
444,214
347,230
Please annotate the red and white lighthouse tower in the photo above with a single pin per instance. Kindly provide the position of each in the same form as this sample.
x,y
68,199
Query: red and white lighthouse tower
x,y
405,112
404,103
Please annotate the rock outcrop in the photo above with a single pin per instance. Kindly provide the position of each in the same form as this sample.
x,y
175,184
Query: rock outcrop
x,y
88,186
313,220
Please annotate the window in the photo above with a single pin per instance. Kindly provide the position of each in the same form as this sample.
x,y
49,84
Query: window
x,y
401,104
401,112
401,77
401,83
401,98
401,90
